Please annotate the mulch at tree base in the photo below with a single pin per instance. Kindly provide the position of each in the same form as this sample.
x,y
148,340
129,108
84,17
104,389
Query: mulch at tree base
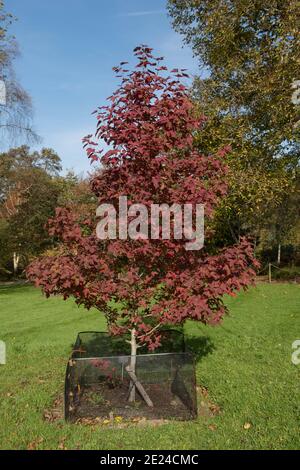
x,y
138,414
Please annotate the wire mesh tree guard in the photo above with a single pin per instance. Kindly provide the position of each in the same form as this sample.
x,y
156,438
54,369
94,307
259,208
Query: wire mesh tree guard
x,y
99,378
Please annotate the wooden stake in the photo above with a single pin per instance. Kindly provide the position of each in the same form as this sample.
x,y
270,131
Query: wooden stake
x,y
139,386
132,364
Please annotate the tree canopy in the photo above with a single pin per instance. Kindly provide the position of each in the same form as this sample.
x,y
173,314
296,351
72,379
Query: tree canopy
x,y
29,192
149,123
249,52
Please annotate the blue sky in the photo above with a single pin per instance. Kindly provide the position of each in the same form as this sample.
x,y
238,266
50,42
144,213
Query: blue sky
x,y
68,48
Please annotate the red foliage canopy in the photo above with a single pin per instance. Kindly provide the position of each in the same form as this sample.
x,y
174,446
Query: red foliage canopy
x,y
146,284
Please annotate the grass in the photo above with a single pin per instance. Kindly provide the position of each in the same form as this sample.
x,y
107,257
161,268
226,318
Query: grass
x,y
245,364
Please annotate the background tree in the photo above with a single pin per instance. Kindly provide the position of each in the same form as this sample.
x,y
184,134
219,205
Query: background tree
x,y
250,52
16,110
31,186
29,190
77,196
283,229
149,124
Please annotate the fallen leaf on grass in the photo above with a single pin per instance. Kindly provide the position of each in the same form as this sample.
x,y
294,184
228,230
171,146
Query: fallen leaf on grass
x,y
212,427
136,420
88,421
61,445
34,444
56,411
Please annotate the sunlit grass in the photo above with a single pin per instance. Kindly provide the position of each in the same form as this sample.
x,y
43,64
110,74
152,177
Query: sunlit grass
x,y
245,364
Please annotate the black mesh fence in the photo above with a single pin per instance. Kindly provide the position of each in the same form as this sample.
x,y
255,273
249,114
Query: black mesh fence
x,y
99,343
99,384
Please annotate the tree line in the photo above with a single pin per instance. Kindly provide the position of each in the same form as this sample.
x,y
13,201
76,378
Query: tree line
x,y
249,54
31,187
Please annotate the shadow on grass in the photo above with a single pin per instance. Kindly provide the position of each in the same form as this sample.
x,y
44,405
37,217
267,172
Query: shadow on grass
x,y
200,346
14,286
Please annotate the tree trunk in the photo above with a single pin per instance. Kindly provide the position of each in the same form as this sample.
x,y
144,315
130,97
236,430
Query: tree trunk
x,y
255,245
279,254
132,364
16,259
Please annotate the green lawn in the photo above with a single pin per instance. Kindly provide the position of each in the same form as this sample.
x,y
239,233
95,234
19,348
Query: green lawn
x,y
245,364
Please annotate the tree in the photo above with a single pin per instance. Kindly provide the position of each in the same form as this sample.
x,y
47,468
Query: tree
x,y
31,186
15,107
29,192
18,165
28,236
284,224
77,196
144,284
252,200
250,51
